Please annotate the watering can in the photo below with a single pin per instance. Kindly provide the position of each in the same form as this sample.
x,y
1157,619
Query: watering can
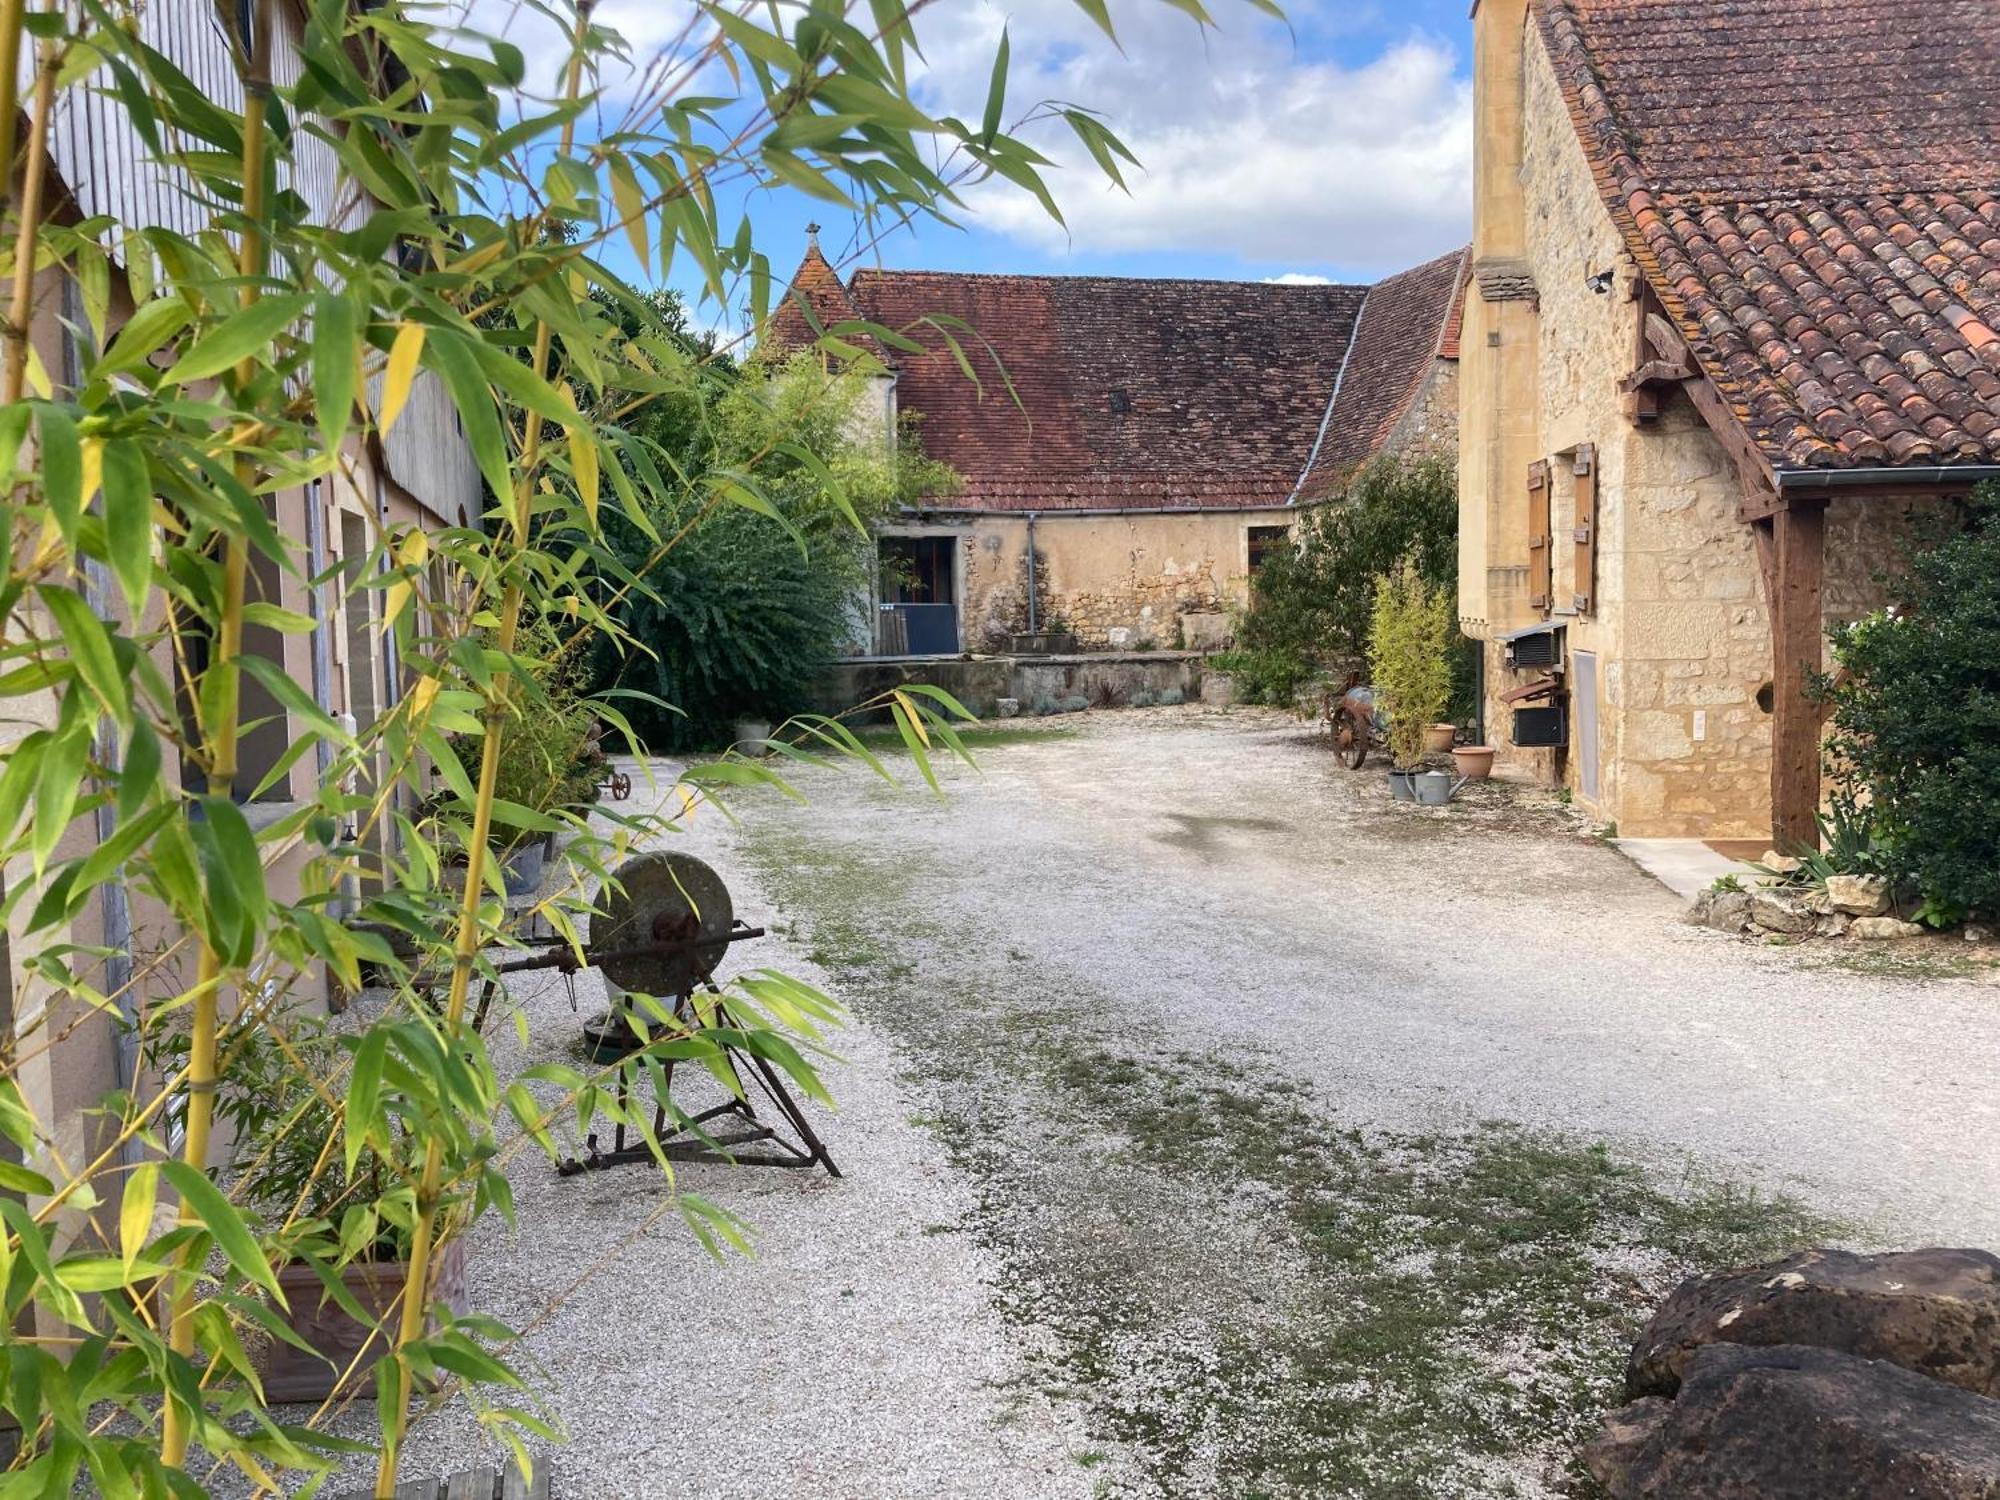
x,y
1435,788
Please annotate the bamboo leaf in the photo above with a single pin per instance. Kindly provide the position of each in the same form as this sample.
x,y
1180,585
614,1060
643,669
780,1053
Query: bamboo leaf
x,y
364,1090
62,470
630,200
128,519
222,1220
88,644
135,1214
336,364
242,335
405,355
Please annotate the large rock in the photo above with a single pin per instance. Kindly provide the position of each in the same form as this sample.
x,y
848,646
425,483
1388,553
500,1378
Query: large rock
x,y
1793,1423
1935,1312
1780,912
1724,910
1884,929
1858,895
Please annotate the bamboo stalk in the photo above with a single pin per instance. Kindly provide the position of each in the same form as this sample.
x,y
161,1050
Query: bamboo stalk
x,y
465,945
222,734
34,180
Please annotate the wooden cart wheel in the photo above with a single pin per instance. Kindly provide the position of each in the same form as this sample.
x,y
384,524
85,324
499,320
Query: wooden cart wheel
x,y
1350,739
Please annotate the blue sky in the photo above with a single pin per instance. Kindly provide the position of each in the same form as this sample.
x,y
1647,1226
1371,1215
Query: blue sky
x,y
1337,147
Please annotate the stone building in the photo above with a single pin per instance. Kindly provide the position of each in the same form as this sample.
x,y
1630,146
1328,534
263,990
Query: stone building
x,y
1734,312
1128,448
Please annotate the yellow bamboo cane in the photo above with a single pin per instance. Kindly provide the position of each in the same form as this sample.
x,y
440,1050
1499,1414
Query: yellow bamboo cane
x,y
176,1425
465,947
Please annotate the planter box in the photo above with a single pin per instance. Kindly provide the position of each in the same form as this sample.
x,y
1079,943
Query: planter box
x,y
292,1375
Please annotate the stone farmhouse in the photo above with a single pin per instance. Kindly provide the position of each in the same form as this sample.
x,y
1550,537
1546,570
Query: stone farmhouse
x,y
422,472
1735,312
1131,447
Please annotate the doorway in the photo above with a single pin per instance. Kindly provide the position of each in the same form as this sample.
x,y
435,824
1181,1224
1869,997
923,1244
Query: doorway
x,y
919,596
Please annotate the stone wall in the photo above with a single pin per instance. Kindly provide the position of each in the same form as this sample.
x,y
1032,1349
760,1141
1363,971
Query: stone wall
x,y
1680,626
1118,582
1106,678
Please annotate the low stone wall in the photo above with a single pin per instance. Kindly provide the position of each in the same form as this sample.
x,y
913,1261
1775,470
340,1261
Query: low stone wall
x,y
1106,678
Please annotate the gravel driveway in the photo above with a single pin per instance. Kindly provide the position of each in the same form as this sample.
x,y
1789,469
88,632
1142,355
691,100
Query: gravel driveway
x,y
1213,1127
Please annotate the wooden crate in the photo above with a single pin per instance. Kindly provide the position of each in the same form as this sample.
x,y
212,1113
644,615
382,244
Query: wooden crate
x,y
482,1483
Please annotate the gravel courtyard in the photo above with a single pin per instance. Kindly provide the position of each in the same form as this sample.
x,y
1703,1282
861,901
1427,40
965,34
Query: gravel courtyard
x,y
1212,1127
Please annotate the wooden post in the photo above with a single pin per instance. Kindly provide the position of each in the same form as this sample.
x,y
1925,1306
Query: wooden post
x,y
1798,547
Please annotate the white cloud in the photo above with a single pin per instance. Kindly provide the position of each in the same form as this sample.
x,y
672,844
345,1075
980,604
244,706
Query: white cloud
x,y
1248,148
1296,278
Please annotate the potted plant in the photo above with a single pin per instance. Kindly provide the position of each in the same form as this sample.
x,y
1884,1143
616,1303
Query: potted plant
x,y
1409,643
276,1103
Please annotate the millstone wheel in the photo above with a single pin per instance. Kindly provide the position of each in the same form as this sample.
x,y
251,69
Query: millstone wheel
x,y
666,897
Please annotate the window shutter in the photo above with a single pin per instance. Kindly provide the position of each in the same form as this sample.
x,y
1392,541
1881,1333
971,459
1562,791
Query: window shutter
x,y
1585,534
1541,557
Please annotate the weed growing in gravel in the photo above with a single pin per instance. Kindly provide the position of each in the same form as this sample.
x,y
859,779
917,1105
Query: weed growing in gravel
x,y
1250,1297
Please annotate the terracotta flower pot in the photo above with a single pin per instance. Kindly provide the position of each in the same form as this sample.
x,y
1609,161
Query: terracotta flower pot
x,y
1438,737
292,1375
1474,762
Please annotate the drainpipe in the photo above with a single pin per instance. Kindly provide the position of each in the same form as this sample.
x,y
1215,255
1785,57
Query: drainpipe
x,y
1033,601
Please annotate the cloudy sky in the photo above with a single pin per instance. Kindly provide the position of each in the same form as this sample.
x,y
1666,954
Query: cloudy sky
x,y
1338,146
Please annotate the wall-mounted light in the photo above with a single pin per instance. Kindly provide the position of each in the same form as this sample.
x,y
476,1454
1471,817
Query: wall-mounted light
x,y
1601,282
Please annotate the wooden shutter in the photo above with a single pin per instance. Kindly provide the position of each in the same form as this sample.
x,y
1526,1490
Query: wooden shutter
x,y
1585,534
1541,556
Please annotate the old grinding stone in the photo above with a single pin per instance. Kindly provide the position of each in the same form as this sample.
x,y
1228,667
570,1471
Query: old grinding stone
x,y
666,896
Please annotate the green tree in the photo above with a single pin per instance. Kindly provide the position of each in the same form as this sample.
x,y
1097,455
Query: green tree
x,y
741,619
265,352
1311,603
1916,715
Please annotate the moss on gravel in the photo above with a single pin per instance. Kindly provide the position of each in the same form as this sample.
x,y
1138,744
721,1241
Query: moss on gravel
x,y
1250,1296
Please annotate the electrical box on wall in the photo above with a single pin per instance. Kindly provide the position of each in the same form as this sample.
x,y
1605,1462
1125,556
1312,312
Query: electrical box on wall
x,y
1540,728
1536,648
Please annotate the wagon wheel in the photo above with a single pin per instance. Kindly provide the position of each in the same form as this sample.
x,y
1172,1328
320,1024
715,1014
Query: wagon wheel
x,y
1350,739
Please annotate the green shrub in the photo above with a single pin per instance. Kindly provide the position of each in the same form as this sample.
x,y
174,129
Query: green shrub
x,y
1275,675
739,620
1916,718
1412,627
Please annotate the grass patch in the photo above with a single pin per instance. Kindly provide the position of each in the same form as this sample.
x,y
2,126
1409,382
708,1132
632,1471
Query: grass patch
x,y
1250,1296
974,736
1898,961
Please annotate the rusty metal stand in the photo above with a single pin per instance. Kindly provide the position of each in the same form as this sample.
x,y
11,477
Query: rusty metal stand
x,y
677,1135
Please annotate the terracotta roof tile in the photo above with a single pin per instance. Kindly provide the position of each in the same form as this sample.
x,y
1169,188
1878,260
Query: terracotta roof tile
x,y
1814,188
1139,394
1406,324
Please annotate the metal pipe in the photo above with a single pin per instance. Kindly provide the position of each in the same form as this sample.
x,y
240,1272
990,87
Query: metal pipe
x,y
1843,479
1033,590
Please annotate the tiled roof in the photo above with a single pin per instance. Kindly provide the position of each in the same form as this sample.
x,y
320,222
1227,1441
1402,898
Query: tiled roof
x,y
815,284
1813,186
1140,394
1405,327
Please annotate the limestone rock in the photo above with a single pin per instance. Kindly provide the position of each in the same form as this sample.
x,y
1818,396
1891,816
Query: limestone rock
x,y
1730,911
1884,929
1779,912
1974,933
1779,864
1793,1423
1834,924
1006,708
1936,1312
1218,689
1858,895
1818,902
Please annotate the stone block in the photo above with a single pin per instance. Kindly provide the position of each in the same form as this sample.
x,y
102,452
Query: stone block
x,y
1218,689
1206,630
1883,929
1780,912
1936,1312
1858,895
1006,708
1797,1423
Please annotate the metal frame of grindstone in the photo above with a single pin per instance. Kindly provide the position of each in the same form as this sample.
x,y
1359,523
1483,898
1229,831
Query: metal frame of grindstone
x,y
689,1139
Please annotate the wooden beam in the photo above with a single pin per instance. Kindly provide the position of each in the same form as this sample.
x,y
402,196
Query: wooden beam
x,y
1798,537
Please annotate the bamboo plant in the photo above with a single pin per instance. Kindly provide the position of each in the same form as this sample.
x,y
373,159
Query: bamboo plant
x,y
277,348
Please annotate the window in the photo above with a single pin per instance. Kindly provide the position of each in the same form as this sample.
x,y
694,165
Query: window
x,y
919,570
1264,541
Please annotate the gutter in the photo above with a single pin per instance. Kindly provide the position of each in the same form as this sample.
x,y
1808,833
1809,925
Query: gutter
x,y
1033,600
1339,379
1046,513
1794,480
